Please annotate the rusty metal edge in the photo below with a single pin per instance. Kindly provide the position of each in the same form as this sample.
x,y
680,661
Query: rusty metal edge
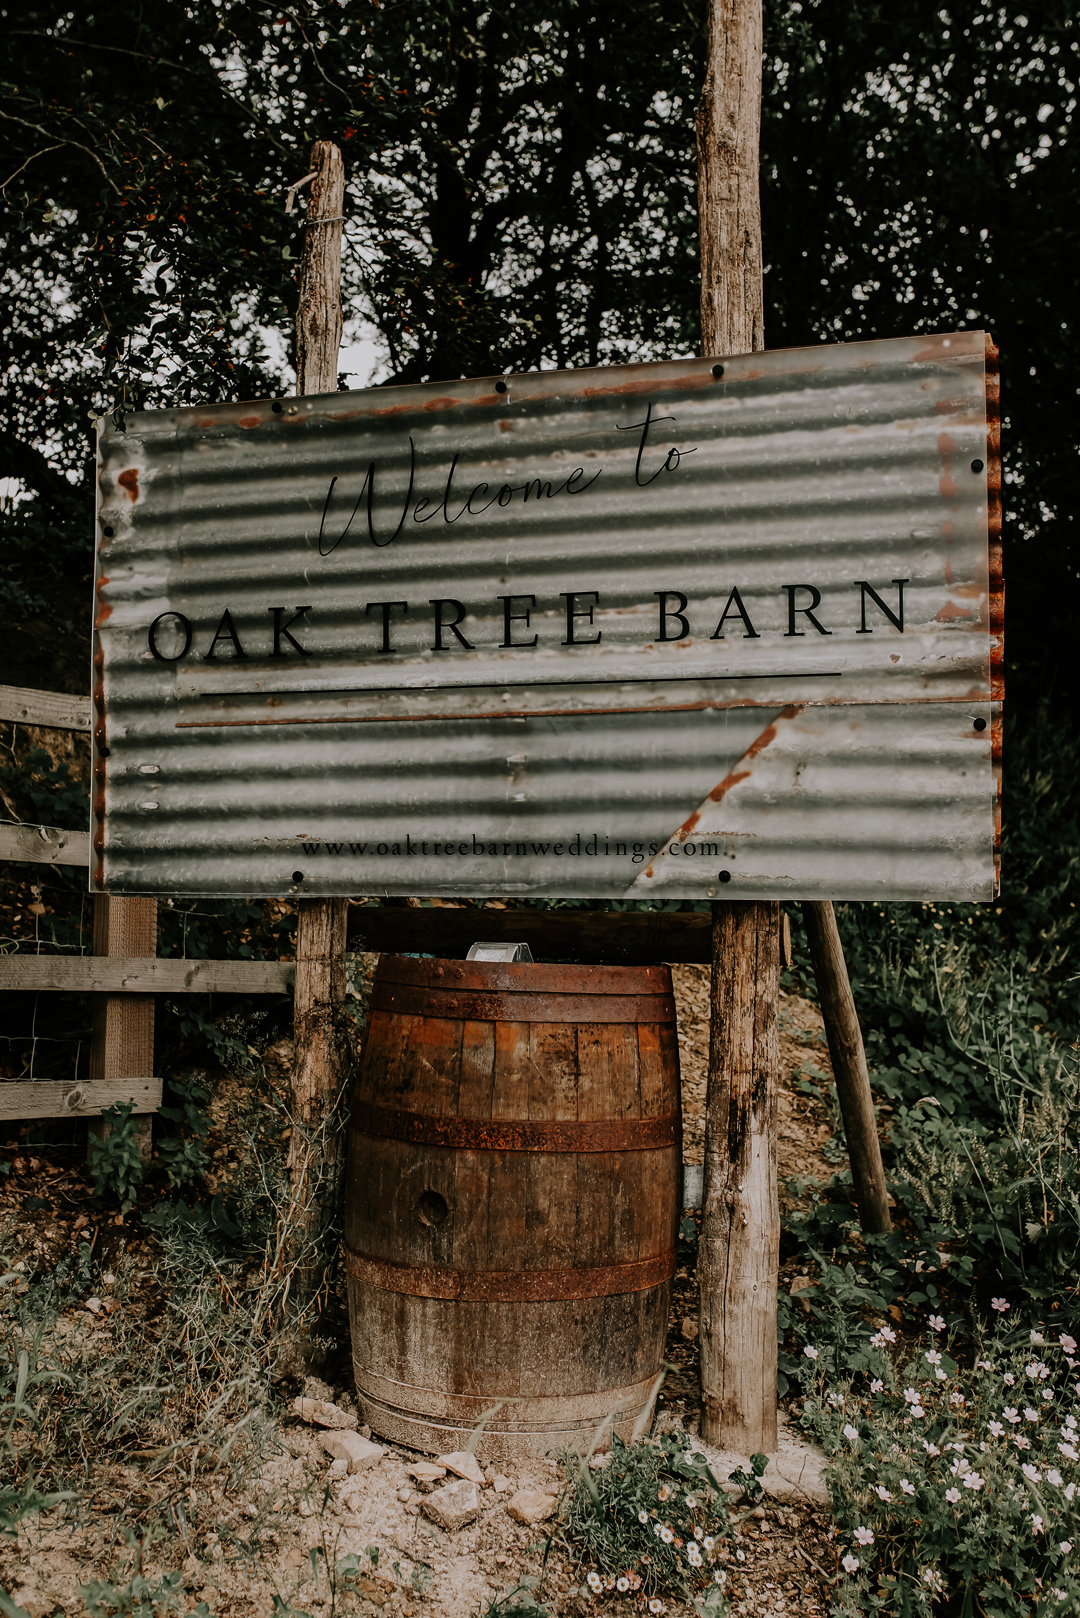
x,y
996,578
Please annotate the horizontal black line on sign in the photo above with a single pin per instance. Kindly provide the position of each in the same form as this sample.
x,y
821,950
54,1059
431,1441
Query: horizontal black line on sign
x,y
495,713
520,685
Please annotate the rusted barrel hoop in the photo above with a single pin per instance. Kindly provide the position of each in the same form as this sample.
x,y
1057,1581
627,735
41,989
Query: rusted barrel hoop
x,y
509,1286
526,1412
481,1005
515,1134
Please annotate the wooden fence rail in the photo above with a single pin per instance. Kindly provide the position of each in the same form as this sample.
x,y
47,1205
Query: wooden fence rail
x,y
124,972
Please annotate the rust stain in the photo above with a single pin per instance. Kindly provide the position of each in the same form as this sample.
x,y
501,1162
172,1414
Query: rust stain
x,y
949,347
947,483
950,612
412,405
129,482
758,745
209,422
249,421
651,385
993,523
514,1134
509,1286
733,778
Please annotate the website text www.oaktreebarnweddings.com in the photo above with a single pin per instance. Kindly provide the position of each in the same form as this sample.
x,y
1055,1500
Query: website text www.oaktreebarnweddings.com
x,y
593,847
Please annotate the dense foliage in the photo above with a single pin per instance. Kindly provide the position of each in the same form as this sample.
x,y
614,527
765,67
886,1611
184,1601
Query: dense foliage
x,y
954,1480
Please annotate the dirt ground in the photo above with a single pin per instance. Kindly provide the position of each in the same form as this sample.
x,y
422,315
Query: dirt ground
x,y
267,1547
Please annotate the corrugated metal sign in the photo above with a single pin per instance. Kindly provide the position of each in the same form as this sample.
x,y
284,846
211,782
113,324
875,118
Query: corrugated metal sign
x,y
672,629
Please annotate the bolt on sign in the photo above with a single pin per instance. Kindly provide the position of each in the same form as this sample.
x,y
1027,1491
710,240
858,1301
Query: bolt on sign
x,y
669,630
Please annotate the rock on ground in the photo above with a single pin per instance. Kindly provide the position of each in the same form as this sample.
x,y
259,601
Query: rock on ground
x,y
359,1452
324,1414
795,1472
452,1506
531,1506
464,1465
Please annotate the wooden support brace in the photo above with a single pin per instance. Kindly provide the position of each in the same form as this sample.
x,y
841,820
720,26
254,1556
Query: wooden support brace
x,y
849,1064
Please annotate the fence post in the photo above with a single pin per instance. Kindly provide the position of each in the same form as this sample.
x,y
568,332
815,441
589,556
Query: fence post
x,y
122,1042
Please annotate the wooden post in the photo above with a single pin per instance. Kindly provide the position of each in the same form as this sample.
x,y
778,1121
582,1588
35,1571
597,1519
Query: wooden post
x,y
849,1064
319,994
122,1042
739,1247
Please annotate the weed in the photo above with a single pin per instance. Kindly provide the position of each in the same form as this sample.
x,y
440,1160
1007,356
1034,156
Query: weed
x,y
519,1602
139,1597
653,1520
116,1165
184,1153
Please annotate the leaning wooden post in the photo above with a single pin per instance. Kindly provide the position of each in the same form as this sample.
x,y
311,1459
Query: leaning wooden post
x,y
739,1248
319,993
849,1064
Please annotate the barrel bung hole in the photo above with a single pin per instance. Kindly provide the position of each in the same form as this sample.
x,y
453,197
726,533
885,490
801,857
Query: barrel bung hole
x,y
432,1209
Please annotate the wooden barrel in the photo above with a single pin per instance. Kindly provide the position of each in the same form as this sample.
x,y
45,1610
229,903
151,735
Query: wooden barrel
x,y
512,1201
